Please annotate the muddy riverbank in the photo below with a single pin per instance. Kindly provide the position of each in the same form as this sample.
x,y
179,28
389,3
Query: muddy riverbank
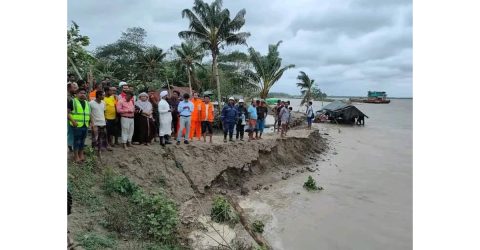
x,y
192,175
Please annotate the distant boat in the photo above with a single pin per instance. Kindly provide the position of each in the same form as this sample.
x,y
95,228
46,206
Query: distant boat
x,y
377,97
373,97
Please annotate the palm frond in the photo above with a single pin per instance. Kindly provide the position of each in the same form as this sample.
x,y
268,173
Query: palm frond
x,y
192,35
279,73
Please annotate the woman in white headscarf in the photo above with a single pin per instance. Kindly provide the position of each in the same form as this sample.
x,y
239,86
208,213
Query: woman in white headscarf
x,y
164,112
144,124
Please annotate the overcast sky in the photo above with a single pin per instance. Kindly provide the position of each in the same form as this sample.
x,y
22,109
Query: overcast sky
x,y
347,46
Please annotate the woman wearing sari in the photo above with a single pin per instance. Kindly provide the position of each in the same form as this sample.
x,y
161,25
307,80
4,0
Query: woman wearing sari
x,y
144,124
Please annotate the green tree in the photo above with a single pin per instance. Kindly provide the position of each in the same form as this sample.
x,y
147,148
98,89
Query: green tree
x,y
173,73
231,67
125,53
78,57
105,68
212,27
190,55
149,63
317,94
306,84
268,69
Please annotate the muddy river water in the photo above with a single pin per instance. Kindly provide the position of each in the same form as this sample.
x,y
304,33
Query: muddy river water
x,y
367,198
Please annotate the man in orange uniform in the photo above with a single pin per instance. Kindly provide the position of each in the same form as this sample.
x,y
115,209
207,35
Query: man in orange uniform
x,y
196,125
93,95
206,116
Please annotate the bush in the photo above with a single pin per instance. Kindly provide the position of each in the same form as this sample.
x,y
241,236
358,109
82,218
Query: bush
x,y
258,226
119,184
157,216
310,184
138,214
92,241
221,210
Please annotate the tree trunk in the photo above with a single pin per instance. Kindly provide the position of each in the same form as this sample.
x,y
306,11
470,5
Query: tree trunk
x,y
90,78
189,81
217,80
263,94
74,67
168,86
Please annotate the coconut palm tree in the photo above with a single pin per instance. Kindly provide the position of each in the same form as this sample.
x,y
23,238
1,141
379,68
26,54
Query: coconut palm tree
x,y
268,69
150,62
190,55
212,27
306,85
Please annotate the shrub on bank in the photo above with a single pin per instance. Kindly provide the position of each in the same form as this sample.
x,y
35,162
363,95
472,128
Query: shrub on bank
x,y
222,212
92,241
311,185
258,226
137,214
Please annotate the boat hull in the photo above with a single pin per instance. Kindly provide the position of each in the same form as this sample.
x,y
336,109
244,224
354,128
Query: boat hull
x,y
377,101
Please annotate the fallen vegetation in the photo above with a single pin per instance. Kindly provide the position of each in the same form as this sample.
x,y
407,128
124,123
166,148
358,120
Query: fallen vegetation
x,y
311,185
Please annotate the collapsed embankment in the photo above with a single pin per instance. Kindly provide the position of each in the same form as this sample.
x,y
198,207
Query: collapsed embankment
x,y
191,169
191,174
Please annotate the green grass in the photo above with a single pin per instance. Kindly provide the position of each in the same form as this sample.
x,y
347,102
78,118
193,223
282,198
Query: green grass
x,y
81,181
222,212
137,214
122,207
258,226
93,241
118,184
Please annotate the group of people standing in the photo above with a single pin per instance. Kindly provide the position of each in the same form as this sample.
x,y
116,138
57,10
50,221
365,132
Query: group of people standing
x,y
243,118
140,120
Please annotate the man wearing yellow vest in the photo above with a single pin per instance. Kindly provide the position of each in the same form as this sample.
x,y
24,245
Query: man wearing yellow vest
x,y
79,118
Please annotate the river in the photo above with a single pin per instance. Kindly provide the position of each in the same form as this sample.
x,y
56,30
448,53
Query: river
x,y
367,178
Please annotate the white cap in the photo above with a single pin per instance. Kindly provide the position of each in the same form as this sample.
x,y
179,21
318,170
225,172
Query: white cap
x,y
163,93
231,98
121,84
241,100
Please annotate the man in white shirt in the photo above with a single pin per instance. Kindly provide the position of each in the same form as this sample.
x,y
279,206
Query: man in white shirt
x,y
310,114
98,123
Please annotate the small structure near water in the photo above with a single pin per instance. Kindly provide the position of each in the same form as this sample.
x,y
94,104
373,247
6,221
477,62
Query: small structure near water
x,y
341,112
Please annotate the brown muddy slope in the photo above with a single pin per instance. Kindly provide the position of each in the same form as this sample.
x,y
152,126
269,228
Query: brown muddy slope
x,y
185,170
